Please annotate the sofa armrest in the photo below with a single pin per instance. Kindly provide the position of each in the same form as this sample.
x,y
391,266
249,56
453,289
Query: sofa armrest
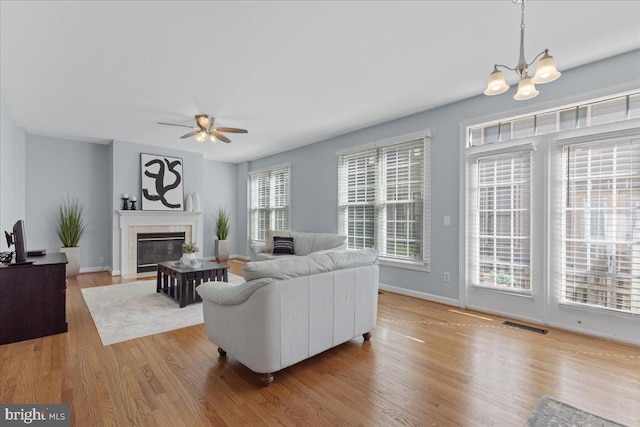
x,y
255,249
224,293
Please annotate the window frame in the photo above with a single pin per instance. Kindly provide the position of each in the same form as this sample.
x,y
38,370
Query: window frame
x,y
474,197
546,242
422,264
271,208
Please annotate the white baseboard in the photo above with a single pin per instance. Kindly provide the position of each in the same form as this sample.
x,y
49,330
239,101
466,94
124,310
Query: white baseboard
x,y
94,269
558,325
422,295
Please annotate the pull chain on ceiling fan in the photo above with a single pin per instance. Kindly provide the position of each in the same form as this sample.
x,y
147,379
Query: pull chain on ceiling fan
x,y
205,129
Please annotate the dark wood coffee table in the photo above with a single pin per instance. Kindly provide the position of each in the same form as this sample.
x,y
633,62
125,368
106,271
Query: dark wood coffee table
x,y
180,282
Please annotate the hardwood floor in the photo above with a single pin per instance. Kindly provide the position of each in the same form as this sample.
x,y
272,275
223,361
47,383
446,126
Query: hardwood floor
x,y
427,364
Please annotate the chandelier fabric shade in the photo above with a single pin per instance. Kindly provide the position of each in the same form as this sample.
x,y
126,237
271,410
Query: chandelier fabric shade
x,y
546,71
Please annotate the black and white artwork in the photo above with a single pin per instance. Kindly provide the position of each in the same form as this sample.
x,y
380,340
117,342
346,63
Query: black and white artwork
x,y
161,183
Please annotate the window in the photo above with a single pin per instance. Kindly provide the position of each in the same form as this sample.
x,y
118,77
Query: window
x,y
601,224
501,222
552,208
383,199
269,201
610,110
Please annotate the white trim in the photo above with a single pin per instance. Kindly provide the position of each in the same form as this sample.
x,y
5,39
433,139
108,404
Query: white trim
x,y
271,168
513,146
417,294
406,264
606,132
94,269
505,291
422,134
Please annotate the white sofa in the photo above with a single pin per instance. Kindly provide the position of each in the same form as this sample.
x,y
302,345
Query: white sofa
x,y
292,308
304,243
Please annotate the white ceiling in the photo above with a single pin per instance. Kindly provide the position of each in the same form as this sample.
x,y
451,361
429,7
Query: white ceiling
x,y
292,73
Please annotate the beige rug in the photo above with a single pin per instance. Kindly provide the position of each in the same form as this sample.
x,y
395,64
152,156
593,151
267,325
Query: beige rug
x,y
133,310
552,413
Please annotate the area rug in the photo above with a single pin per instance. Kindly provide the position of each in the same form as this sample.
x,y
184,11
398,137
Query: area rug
x,y
133,310
550,412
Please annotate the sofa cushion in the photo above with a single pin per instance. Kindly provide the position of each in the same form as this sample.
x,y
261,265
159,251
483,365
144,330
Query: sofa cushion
x,y
296,266
268,245
282,245
306,243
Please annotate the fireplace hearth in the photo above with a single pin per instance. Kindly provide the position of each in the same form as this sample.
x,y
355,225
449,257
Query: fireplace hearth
x,y
157,247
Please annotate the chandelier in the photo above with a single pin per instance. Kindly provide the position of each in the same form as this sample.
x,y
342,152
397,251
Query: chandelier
x,y
545,71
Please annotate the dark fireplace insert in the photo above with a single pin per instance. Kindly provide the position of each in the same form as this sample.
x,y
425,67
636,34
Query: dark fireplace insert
x,y
157,247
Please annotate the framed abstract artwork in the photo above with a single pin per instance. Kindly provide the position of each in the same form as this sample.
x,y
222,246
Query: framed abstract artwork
x,y
161,183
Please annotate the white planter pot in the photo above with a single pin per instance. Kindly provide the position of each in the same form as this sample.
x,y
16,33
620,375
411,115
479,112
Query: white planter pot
x,y
186,258
222,250
73,256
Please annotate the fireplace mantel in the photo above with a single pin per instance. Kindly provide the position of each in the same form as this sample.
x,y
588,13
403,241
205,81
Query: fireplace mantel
x,y
133,221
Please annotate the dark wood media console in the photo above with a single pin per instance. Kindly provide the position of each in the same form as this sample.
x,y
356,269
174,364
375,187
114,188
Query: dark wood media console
x,y
33,298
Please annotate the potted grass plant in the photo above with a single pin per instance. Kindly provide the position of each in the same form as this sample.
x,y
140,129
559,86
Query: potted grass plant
x,y
222,232
71,228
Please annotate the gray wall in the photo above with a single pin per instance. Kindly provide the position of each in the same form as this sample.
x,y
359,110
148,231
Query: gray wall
x,y
59,167
219,191
12,174
314,167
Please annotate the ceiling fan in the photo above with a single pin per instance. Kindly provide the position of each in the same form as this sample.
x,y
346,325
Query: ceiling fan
x,y
205,129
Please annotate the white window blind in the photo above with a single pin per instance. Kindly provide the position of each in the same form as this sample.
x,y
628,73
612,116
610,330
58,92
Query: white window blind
x,y
383,200
601,224
500,222
269,200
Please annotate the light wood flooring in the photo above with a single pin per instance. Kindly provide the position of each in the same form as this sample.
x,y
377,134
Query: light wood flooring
x,y
427,364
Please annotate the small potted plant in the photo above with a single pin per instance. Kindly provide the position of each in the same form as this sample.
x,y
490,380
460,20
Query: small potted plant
x,y
189,251
70,228
222,232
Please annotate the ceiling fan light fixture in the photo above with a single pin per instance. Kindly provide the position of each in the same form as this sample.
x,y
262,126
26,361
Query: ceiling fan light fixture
x,y
203,120
205,129
201,136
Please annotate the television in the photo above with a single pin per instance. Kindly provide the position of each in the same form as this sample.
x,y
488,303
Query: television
x,y
17,239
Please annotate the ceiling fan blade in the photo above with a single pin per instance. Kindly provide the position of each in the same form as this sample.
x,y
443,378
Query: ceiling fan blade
x,y
173,124
221,137
230,130
190,134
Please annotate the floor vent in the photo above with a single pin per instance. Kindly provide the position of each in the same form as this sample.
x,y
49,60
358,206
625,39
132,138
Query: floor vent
x,y
526,327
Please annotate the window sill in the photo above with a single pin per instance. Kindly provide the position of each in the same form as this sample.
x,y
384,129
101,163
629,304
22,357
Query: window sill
x,y
408,265
506,291
596,308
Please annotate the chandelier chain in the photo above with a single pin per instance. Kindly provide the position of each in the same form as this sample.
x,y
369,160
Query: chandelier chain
x,y
522,15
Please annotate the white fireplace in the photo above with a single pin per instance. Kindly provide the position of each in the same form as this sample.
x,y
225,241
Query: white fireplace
x,y
134,222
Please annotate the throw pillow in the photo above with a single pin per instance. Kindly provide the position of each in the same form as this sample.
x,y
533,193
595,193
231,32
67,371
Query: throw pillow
x,y
282,245
268,246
